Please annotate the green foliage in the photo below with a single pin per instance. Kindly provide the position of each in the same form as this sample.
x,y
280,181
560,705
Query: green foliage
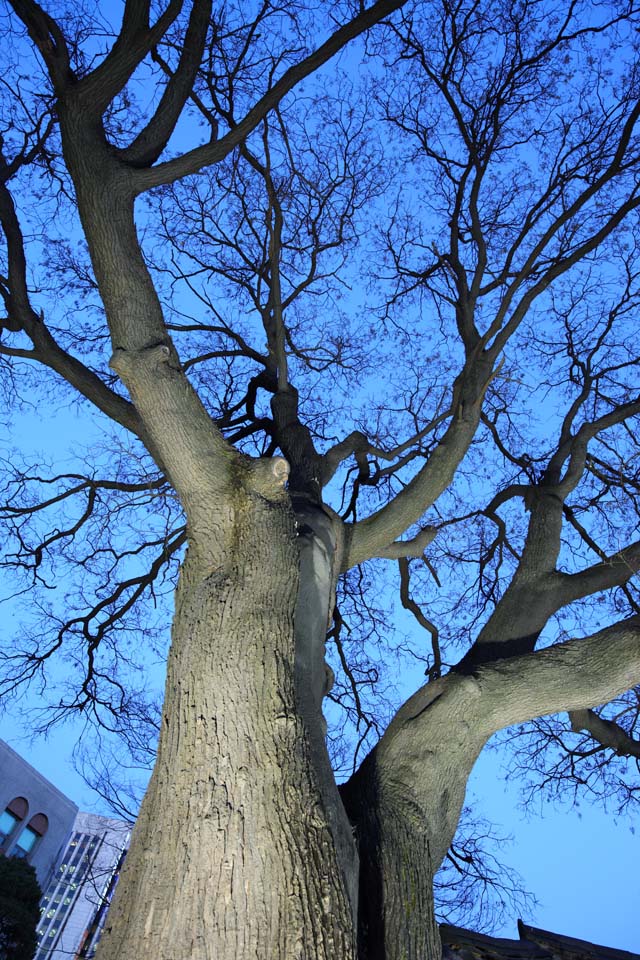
x,y
19,909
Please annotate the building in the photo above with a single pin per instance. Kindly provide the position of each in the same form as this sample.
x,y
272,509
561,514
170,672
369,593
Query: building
x,y
75,902
76,856
534,944
35,817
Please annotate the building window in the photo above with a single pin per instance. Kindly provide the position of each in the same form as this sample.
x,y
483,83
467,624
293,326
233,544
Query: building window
x,y
10,818
8,823
26,842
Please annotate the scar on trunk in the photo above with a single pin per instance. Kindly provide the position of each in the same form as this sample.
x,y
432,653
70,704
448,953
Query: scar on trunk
x,y
268,477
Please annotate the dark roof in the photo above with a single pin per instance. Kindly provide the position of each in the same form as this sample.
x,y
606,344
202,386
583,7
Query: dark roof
x,y
534,944
460,944
571,948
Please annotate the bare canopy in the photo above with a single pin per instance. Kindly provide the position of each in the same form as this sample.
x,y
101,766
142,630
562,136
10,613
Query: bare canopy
x,y
353,290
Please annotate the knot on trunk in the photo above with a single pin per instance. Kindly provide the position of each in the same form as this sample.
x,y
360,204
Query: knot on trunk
x,y
153,357
268,478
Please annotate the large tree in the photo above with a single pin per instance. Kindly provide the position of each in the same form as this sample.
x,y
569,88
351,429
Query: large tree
x,y
360,286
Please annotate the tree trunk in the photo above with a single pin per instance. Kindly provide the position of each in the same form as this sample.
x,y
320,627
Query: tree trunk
x,y
319,542
232,856
242,848
396,909
405,803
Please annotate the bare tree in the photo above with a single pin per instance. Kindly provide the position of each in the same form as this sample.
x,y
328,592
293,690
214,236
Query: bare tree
x,y
245,206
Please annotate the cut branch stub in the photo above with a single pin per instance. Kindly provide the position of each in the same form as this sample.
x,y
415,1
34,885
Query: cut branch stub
x,y
268,477
122,361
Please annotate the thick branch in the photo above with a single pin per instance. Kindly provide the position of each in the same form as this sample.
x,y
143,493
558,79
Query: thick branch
x,y
575,447
22,316
535,594
614,571
569,676
415,547
537,589
370,537
210,153
151,141
135,41
88,383
606,732
48,38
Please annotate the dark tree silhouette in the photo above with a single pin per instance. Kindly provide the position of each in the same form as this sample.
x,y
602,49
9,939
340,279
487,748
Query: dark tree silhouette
x,y
19,909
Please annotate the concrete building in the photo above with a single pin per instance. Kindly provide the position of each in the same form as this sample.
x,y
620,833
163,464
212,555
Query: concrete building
x,y
76,856
35,817
75,902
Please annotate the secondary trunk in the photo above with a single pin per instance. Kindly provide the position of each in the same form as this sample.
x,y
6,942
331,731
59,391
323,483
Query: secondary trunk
x,y
232,856
396,910
405,803
319,542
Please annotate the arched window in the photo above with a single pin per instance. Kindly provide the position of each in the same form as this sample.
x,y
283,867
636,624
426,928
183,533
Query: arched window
x,y
26,842
11,817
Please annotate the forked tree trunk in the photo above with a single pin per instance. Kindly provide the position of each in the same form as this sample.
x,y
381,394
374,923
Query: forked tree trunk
x,y
240,851
232,856
405,802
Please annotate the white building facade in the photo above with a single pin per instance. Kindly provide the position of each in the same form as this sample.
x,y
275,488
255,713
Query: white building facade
x,y
75,902
76,856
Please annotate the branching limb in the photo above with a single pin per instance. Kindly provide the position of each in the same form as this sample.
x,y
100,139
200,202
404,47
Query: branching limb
x,y
613,571
152,140
357,444
574,449
20,315
368,537
605,732
537,589
272,314
93,628
49,39
210,153
574,675
410,604
414,547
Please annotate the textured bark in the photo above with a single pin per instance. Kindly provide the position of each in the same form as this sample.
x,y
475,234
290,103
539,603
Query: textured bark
x,y
570,676
232,856
405,802
320,549
396,910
